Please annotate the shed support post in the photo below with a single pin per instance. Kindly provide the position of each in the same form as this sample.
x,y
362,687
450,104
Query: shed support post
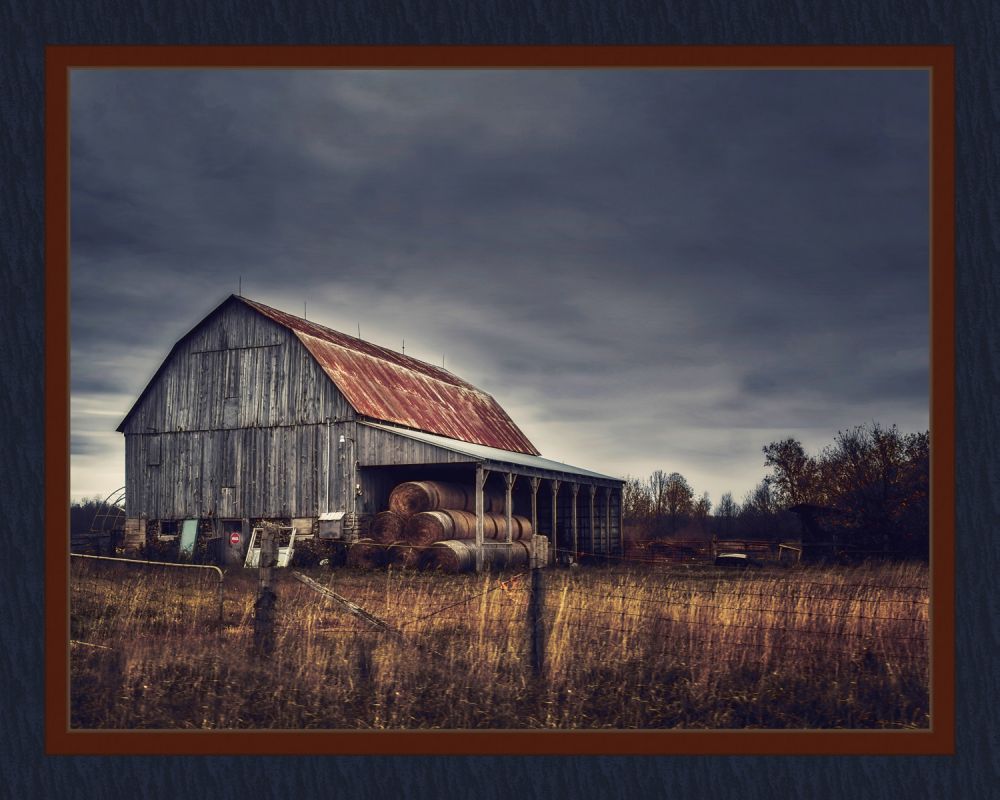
x,y
576,522
510,478
593,517
555,529
481,475
621,523
607,521
535,482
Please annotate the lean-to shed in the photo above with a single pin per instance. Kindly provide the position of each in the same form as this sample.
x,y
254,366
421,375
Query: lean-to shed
x,y
258,414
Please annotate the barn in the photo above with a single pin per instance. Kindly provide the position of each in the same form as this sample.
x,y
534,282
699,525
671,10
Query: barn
x,y
256,414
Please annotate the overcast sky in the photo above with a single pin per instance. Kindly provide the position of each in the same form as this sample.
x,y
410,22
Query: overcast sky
x,y
648,269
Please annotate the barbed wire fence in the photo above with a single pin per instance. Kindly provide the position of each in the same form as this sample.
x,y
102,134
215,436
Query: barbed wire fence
x,y
845,618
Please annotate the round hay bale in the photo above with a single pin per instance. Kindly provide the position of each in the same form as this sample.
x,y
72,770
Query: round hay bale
x,y
426,527
413,497
404,555
388,526
463,523
452,556
495,502
517,555
495,527
493,524
366,554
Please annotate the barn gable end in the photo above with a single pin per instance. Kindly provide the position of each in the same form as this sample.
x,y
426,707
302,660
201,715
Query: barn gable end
x,y
236,369
234,424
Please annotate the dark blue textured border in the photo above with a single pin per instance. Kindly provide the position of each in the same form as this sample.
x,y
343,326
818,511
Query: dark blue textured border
x,y
26,28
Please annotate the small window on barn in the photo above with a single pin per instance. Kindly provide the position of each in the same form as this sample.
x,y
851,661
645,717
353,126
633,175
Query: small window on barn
x,y
153,450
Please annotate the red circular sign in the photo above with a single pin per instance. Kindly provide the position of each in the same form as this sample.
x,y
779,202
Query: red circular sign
x,y
234,538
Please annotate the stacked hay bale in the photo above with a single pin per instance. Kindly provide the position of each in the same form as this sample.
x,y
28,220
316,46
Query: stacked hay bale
x,y
403,555
366,554
427,527
459,555
432,525
388,527
413,497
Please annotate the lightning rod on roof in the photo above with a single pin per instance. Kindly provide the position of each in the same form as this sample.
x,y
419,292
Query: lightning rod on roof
x,y
304,310
239,287
359,330
404,345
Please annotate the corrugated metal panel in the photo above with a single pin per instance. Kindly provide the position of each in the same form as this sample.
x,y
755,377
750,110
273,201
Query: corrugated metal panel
x,y
484,453
385,385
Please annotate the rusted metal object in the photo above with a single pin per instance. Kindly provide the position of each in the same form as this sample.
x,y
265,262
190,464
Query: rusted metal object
x,y
366,554
383,384
164,564
387,527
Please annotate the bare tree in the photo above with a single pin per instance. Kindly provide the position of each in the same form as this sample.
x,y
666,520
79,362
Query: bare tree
x,y
657,492
678,496
700,512
726,513
637,504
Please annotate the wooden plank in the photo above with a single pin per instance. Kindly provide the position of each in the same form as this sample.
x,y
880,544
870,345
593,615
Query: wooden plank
x,y
135,534
352,608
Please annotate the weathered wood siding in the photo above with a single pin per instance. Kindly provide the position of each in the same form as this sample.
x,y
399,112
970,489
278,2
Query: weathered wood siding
x,y
237,370
234,425
381,448
245,472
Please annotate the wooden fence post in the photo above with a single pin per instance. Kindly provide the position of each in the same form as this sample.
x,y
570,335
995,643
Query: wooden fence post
x,y
264,607
536,611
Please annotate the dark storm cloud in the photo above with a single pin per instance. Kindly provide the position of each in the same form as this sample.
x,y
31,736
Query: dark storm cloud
x,y
662,251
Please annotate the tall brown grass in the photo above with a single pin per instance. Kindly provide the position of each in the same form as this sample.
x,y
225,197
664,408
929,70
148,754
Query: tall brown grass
x,y
646,647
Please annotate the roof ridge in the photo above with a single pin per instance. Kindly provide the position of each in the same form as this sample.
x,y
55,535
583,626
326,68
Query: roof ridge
x,y
384,353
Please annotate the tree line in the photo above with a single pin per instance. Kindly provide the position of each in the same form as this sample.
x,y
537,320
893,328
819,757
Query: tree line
x,y
870,488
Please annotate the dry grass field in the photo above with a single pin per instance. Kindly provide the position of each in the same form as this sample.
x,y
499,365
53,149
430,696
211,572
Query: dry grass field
x,y
664,646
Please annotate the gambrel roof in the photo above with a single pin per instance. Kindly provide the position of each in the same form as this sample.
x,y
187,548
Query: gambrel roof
x,y
383,385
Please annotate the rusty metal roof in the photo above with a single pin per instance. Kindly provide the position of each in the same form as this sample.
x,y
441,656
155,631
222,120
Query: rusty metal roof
x,y
385,385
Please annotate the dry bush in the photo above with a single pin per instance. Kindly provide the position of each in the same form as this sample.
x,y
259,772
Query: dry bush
x,y
656,647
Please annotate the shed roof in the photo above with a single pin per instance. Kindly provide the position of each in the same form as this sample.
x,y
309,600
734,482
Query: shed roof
x,y
477,452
